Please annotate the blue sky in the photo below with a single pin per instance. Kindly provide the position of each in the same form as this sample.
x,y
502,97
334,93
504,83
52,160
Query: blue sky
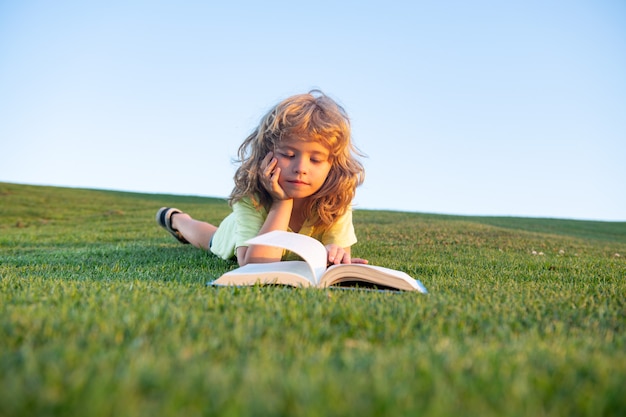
x,y
508,108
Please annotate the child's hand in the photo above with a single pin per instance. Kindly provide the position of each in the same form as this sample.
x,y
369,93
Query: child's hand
x,y
338,255
359,261
269,179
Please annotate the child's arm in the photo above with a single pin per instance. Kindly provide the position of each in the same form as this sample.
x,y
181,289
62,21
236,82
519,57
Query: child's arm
x,y
278,217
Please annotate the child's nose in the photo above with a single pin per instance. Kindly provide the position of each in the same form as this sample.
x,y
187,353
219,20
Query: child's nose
x,y
300,166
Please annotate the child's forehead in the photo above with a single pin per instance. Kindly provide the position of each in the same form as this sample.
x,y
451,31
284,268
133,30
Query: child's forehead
x,y
303,143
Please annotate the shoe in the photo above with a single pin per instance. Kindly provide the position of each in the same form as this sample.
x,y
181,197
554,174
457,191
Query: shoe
x,y
164,219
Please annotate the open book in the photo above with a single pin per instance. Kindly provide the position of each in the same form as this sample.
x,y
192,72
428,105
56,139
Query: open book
x,y
312,271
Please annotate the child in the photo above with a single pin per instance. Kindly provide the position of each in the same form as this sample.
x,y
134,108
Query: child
x,y
298,173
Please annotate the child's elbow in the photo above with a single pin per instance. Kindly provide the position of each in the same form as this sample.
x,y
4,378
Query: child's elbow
x,y
240,254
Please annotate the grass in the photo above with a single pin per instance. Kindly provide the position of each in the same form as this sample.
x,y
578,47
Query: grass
x,y
104,314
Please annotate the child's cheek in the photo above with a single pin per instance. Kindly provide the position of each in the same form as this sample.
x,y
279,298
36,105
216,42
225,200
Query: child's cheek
x,y
282,164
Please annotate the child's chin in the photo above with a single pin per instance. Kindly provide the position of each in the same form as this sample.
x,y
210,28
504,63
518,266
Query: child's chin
x,y
298,192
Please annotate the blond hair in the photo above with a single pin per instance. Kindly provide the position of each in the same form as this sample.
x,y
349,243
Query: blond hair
x,y
313,116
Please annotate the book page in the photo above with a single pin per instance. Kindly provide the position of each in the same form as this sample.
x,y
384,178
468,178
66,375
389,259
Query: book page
x,y
311,250
337,274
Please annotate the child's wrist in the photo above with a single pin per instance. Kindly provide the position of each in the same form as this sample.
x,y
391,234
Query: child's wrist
x,y
282,203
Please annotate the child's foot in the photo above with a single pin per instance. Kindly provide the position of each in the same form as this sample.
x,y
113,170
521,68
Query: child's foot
x,y
164,219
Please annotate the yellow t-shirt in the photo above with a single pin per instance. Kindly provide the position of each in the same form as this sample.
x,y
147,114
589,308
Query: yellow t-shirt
x,y
246,220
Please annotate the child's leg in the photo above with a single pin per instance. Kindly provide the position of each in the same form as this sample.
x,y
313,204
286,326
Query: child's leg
x,y
196,232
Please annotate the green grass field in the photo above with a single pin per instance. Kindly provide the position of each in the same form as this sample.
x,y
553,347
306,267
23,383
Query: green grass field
x,y
102,313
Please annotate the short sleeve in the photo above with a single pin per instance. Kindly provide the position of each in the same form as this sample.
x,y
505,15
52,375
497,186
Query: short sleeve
x,y
249,221
341,232
242,224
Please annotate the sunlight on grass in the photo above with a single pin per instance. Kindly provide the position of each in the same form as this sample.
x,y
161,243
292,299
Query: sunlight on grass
x,y
102,313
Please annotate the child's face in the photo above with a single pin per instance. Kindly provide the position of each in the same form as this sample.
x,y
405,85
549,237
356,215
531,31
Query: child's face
x,y
304,166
